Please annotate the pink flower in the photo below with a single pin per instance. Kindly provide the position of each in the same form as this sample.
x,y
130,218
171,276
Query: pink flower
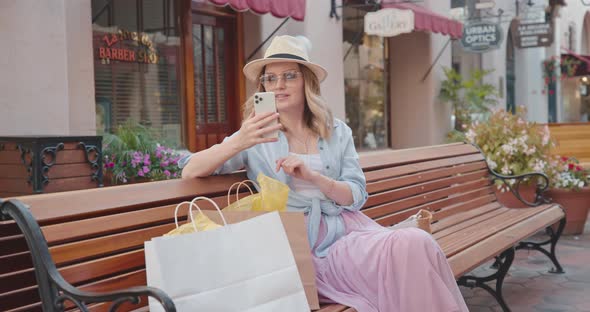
x,y
146,169
167,173
140,173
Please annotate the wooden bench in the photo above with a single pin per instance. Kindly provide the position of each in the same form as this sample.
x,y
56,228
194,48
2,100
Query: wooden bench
x,y
96,236
572,139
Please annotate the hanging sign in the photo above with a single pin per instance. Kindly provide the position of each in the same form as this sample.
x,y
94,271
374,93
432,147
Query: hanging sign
x,y
481,37
532,35
389,22
144,53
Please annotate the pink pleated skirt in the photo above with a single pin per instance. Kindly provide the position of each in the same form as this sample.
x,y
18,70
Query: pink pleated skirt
x,y
376,269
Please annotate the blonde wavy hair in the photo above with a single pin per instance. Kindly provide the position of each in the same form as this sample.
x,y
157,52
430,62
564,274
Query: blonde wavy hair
x,y
317,115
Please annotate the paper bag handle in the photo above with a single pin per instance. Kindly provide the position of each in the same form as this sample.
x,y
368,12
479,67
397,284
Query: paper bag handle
x,y
239,184
176,214
190,212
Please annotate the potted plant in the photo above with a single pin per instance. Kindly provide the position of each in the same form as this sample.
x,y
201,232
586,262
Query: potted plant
x,y
133,155
512,146
570,187
470,98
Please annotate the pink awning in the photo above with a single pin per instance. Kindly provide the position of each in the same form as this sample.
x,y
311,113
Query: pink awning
x,y
278,8
426,20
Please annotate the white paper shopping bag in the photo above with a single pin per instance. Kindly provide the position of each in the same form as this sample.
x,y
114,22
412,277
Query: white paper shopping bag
x,y
245,266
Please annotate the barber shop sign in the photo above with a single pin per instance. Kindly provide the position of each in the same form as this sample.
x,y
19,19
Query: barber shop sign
x,y
481,37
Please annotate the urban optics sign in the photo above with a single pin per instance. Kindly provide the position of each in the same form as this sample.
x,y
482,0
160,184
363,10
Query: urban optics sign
x,y
481,37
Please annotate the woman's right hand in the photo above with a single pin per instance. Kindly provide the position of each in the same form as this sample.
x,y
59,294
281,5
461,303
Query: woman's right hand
x,y
254,128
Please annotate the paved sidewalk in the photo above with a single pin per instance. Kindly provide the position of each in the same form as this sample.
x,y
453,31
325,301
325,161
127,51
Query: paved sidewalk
x,y
529,287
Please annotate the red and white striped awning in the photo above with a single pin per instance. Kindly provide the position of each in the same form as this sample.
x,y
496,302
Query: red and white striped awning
x,y
278,8
426,20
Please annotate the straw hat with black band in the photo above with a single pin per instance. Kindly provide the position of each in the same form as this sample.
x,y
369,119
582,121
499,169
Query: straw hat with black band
x,y
285,49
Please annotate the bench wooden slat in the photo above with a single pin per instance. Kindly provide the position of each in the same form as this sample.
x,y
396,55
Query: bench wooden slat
x,y
452,244
95,269
376,160
484,198
15,262
413,168
20,297
396,182
489,212
17,280
50,208
380,211
463,217
28,308
404,192
463,203
106,245
465,261
100,226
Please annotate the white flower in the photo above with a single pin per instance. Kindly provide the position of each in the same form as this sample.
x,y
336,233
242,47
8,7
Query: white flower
x,y
539,165
530,151
470,135
546,135
581,184
508,149
505,170
493,165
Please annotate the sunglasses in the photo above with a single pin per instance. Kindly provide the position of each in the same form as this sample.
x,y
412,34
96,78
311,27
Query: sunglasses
x,y
271,80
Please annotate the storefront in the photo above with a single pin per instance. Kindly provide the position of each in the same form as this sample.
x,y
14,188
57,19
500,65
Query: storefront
x,y
173,66
391,79
575,88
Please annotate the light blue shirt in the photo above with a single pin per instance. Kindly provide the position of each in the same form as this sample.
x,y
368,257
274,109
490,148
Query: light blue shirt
x,y
341,163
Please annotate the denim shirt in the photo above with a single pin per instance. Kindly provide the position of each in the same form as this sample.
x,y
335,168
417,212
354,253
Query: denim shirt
x,y
341,163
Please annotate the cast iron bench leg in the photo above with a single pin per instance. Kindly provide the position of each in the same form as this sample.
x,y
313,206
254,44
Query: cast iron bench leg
x,y
553,238
504,261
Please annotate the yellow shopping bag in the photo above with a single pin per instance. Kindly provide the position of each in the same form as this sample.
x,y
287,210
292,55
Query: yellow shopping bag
x,y
200,222
273,196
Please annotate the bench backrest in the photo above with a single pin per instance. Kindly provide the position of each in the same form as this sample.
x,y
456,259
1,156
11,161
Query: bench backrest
x,y
572,140
96,236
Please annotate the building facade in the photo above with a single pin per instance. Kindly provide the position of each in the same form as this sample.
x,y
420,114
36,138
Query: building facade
x,y
521,74
86,67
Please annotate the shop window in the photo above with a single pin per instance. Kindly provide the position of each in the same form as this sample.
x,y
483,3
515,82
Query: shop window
x,y
365,80
137,66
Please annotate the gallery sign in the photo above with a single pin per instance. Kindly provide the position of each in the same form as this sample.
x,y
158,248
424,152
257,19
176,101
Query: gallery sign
x,y
389,22
532,35
481,37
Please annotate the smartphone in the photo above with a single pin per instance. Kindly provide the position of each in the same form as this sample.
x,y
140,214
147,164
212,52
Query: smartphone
x,y
264,102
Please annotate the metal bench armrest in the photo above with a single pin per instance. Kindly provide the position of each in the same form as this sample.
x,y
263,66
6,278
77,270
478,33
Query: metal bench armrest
x,y
54,290
541,186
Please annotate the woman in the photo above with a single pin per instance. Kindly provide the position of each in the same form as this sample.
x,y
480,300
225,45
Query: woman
x,y
358,262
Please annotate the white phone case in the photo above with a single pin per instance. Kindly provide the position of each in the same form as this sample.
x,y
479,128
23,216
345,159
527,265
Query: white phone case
x,y
265,102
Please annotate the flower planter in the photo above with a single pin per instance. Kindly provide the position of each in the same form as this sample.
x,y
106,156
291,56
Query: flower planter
x,y
527,192
576,205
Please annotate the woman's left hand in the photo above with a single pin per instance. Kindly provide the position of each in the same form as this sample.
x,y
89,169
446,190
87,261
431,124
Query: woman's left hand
x,y
295,167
